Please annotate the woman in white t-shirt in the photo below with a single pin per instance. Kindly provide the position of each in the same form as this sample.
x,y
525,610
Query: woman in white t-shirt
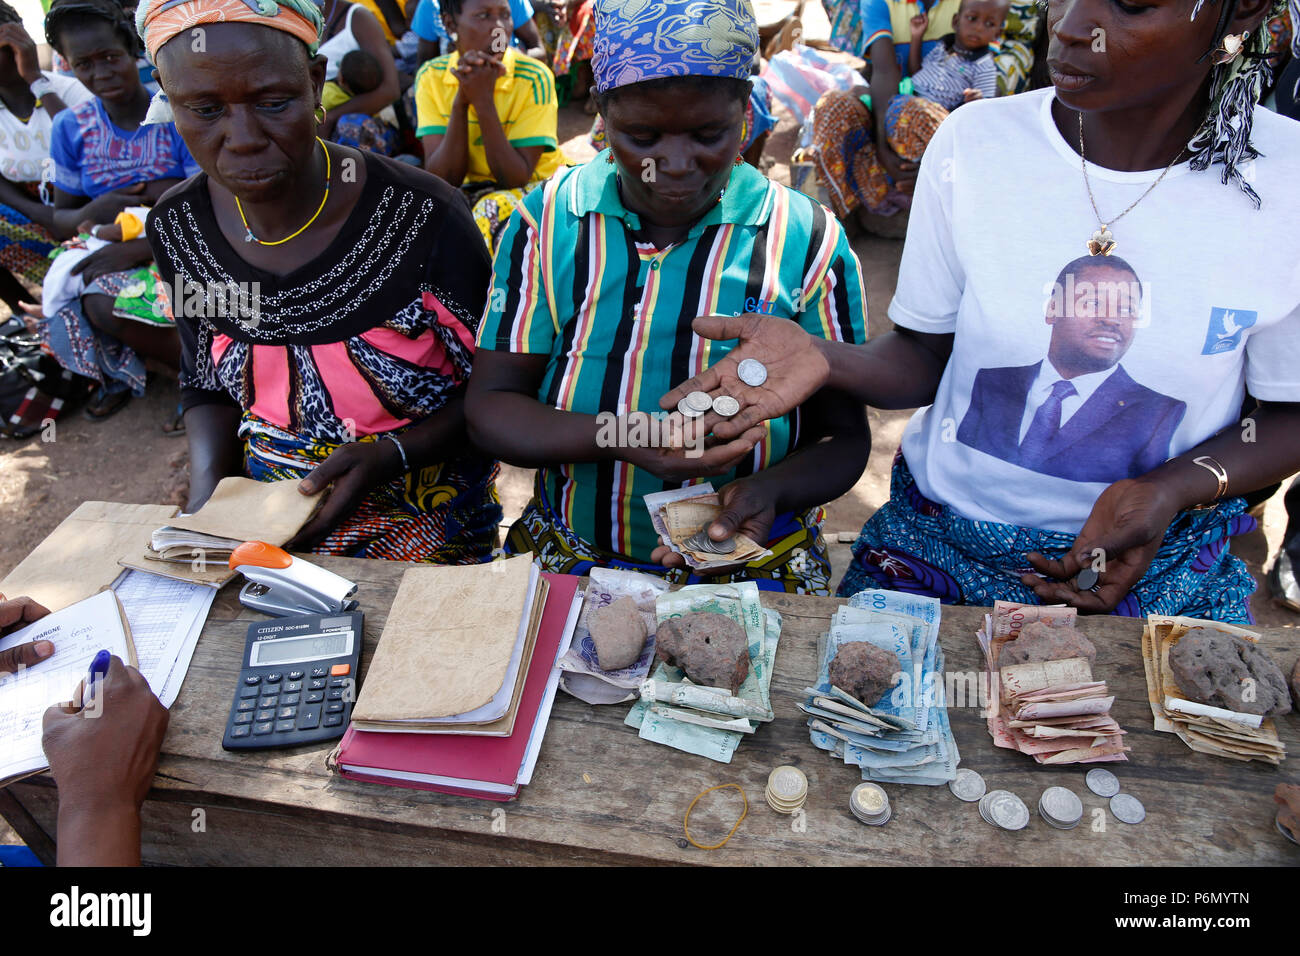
x,y
29,101
1081,439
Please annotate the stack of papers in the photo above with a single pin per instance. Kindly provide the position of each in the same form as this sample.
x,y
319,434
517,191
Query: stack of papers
x,y
166,618
460,688
905,737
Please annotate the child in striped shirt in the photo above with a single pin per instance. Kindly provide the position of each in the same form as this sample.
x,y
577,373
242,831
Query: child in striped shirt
x,y
960,67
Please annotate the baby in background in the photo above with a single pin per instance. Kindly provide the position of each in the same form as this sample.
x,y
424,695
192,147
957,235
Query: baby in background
x,y
359,72
62,285
960,67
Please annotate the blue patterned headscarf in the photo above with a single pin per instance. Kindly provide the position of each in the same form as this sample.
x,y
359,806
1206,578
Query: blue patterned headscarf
x,y
638,40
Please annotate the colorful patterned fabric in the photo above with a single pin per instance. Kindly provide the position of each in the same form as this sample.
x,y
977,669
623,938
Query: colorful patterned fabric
x,y
92,156
492,211
81,348
524,98
440,514
638,40
758,120
157,21
25,247
613,316
580,40
366,132
845,155
1015,55
799,562
916,545
365,342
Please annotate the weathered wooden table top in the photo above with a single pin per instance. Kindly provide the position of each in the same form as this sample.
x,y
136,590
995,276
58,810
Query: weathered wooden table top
x,y
601,794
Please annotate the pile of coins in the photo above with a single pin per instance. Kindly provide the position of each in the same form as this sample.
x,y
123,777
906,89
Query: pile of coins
x,y
752,372
1061,808
702,543
698,403
787,789
1004,810
870,804
968,785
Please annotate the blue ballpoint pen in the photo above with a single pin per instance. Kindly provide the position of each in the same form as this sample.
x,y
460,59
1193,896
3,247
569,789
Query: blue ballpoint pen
x,y
98,669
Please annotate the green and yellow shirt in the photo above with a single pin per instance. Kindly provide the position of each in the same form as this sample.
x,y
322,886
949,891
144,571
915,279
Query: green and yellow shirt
x,y
614,316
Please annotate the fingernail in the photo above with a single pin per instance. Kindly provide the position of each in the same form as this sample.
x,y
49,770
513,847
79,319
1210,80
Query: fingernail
x,y
306,487
44,648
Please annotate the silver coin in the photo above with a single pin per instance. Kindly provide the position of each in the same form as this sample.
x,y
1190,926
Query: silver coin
x,y
1009,812
986,801
699,401
787,783
968,786
726,406
1102,782
686,409
1060,806
1087,579
869,798
752,372
1127,808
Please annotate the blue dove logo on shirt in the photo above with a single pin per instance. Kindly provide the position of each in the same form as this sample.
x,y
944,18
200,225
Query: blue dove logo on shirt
x,y
1227,327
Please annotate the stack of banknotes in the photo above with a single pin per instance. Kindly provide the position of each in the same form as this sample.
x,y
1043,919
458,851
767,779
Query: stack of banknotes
x,y
710,722
905,736
682,517
1206,729
1052,710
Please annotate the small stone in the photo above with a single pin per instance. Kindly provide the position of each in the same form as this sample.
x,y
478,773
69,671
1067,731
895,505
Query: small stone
x,y
1222,670
864,670
1287,797
1042,642
619,633
711,648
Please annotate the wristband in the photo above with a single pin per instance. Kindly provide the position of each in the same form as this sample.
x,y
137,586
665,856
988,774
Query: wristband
x,y
406,467
40,87
1219,472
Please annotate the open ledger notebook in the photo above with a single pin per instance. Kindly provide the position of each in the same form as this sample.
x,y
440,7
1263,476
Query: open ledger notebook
x,y
78,633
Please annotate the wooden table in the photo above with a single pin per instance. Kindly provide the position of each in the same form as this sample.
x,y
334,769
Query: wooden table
x,y
602,795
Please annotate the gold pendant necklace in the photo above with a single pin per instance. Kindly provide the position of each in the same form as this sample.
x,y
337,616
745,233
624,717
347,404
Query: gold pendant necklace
x,y
1102,242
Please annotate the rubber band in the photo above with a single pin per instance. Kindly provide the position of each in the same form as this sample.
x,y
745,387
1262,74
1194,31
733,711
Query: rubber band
x,y
686,821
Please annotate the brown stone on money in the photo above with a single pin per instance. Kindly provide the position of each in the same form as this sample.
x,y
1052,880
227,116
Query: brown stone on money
x,y
619,633
864,670
1042,642
711,648
1287,797
1222,670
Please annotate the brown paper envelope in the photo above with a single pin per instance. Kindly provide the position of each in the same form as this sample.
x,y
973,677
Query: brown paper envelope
x,y
248,510
214,572
82,555
446,645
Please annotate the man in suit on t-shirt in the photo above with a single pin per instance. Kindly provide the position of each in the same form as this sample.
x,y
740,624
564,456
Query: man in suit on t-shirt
x,y
1077,414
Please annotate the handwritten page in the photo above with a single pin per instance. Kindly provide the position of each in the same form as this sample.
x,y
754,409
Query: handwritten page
x,y
78,633
166,616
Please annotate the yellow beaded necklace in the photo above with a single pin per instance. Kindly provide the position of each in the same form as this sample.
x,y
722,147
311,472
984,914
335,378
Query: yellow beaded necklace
x,y
249,237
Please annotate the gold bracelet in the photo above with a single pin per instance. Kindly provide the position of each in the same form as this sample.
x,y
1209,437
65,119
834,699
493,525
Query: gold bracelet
x,y
1219,472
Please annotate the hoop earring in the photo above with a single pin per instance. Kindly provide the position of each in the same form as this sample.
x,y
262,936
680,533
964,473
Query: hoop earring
x,y
321,118
1229,48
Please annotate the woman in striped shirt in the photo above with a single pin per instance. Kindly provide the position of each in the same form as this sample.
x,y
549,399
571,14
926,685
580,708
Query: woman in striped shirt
x,y
596,281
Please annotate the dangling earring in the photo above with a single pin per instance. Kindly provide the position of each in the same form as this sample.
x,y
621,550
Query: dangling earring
x,y
609,156
1229,48
740,161
321,118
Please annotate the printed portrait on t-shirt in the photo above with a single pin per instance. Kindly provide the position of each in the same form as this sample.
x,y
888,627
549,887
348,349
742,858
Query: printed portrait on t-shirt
x,y
1077,414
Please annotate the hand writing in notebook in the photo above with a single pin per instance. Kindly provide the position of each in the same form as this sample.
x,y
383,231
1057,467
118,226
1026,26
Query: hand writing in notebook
x,y
15,615
103,763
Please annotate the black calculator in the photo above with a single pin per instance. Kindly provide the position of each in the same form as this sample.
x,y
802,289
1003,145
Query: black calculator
x,y
298,682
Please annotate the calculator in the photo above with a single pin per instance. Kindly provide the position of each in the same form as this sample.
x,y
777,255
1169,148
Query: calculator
x,y
298,681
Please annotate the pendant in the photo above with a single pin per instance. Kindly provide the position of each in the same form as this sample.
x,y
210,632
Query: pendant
x,y
249,237
1102,243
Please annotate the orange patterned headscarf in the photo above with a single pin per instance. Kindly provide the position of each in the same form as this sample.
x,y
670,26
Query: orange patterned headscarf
x,y
157,21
